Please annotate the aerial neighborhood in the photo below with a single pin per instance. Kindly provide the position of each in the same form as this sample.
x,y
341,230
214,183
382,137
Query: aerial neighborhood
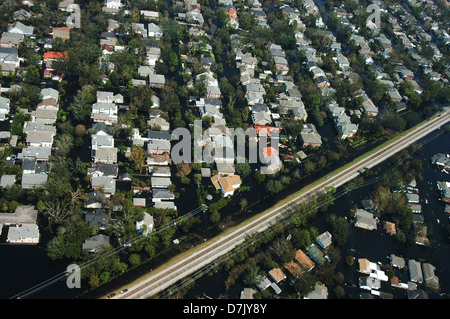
x,y
89,115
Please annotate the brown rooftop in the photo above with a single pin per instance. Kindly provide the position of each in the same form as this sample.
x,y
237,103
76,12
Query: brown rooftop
x,y
304,260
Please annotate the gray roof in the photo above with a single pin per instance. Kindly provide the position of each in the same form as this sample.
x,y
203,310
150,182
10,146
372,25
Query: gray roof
x,y
21,28
7,180
95,242
163,194
106,182
158,135
397,261
33,180
23,214
152,27
156,78
39,153
38,126
415,271
165,205
49,93
160,181
18,234
96,219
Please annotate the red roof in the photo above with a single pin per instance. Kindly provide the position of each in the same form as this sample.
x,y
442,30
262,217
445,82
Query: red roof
x,y
266,130
56,55
268,151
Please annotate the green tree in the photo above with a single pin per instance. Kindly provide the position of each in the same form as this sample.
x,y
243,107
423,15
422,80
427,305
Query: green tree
x,y
135,259
274,186
338,228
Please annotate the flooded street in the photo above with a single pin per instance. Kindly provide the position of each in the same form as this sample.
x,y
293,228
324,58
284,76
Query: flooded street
x,y
373,245
376,245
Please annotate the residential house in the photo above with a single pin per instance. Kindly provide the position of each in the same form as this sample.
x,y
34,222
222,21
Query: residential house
x,y
37,153
154,30
294,270
365,220
160,182
45,116
159,159
97,218
19,27
61,32
394,95
4,107
9,59
23,234
30,181
161,195
146,224
9,39
159,123
7,180
367,105
369,283
320,292
304,261
158,146
277,275
430,278
23,215
94,199
103,169
415,271
101,141
261,118
156,80
309,136
96,243
316,254
104,112
105,155
324,239
165,205
40,138
106,183
226,184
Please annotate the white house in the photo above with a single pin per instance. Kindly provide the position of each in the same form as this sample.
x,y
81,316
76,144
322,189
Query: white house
x,y
23,234
227,184
113,4
104,112
4,107
146,224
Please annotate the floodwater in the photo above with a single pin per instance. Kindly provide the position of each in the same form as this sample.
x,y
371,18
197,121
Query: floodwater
x,y
375,245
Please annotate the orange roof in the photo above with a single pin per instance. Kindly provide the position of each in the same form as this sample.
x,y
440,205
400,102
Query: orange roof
x,y
61,29
268,151
294,269
227,183
304,260
56,55
266,130
395,281
215,181
390,228
277,274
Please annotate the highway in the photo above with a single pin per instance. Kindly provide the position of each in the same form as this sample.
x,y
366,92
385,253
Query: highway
x,y
221,245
